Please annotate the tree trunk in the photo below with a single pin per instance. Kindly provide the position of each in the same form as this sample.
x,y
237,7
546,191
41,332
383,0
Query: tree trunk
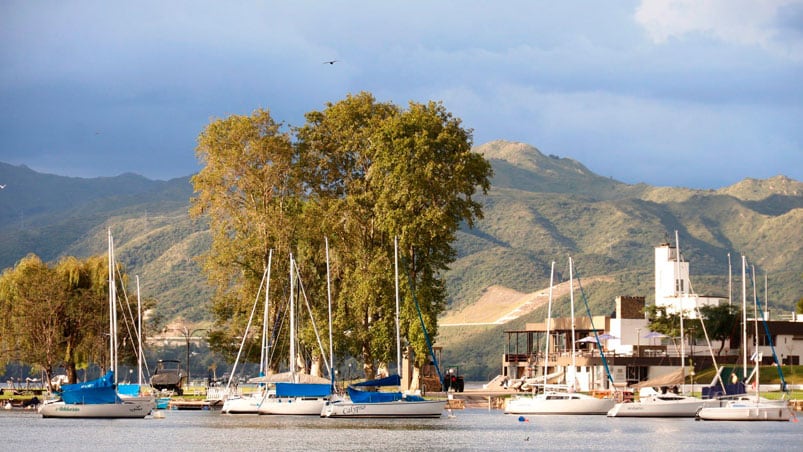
x,y
72,374
368,363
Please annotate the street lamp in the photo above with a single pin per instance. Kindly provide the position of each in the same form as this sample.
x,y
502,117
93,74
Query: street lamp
x,y
638,341
187,336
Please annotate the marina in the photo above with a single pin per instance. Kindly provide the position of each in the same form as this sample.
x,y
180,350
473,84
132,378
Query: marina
x,y
472,429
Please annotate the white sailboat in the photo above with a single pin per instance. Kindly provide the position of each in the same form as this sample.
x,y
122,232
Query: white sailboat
x,y
249,403
98,398
139,391
654,404
755,409
561,401
376,404
294,394
114,410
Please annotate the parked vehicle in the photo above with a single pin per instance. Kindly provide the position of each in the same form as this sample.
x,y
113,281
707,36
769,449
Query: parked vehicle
x,y
453,380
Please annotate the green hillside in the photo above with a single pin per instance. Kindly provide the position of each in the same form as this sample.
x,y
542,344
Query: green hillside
x,y
540,208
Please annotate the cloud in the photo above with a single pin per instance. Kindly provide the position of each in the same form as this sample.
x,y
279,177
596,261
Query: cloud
x,y
637,139
611,86
741,22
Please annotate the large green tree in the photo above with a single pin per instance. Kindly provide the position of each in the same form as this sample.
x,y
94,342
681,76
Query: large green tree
x,y
380,171
250,191
359,172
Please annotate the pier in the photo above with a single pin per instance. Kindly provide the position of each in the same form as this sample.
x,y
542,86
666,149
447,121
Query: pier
x,y
197,405
473,398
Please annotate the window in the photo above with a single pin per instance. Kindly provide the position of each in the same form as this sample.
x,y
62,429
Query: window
x,y
679,285
764,342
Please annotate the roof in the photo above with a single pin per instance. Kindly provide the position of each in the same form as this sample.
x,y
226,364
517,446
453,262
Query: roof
x,y
671,379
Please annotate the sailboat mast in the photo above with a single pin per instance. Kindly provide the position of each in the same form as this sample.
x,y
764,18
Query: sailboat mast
x,y
292,321
756,355
571,302
398,332
329,305
680,295
744,318
766,297
111,297
548,321
112,310
730,281
264,357
139,336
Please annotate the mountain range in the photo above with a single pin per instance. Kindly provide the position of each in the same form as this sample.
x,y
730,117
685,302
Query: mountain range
x,y
541,208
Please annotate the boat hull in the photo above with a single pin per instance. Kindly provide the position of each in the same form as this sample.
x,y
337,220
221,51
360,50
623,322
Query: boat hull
x,y
122,410
396,409
147,401
241,405
655,407
746,412
552,404
293,406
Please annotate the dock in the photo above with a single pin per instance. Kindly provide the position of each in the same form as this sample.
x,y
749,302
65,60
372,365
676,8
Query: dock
x,y
473,398
198,405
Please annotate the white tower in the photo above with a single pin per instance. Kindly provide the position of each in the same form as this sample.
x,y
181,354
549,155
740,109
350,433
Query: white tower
x,y
672,285
671,275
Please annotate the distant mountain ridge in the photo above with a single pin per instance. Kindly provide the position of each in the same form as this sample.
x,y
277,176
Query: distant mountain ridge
x,y
544,208
540,208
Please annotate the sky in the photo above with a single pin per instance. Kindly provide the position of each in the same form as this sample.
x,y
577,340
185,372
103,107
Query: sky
x,y
692,93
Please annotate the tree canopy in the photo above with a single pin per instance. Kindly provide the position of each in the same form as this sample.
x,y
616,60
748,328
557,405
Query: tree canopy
x,y
359,173
57,316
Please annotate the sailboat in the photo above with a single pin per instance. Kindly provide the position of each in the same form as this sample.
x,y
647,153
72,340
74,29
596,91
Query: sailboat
x,y
294,393
139,391
97,398
363,403
249,403
566,401
754,408
654,404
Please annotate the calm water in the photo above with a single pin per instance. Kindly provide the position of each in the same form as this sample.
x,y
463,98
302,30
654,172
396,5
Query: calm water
x,y
470,429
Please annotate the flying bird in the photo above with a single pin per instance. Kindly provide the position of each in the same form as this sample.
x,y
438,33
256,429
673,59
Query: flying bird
x,y
2,187
331,62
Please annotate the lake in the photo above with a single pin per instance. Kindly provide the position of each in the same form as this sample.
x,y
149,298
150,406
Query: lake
x,y
469,429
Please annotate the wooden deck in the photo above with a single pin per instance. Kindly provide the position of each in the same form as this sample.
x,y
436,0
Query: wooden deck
x,y
195,405
474,398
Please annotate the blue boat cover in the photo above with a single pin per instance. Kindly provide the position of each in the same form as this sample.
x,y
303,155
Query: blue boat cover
x,y
129,389
303,389
101,390
393,380
358,396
